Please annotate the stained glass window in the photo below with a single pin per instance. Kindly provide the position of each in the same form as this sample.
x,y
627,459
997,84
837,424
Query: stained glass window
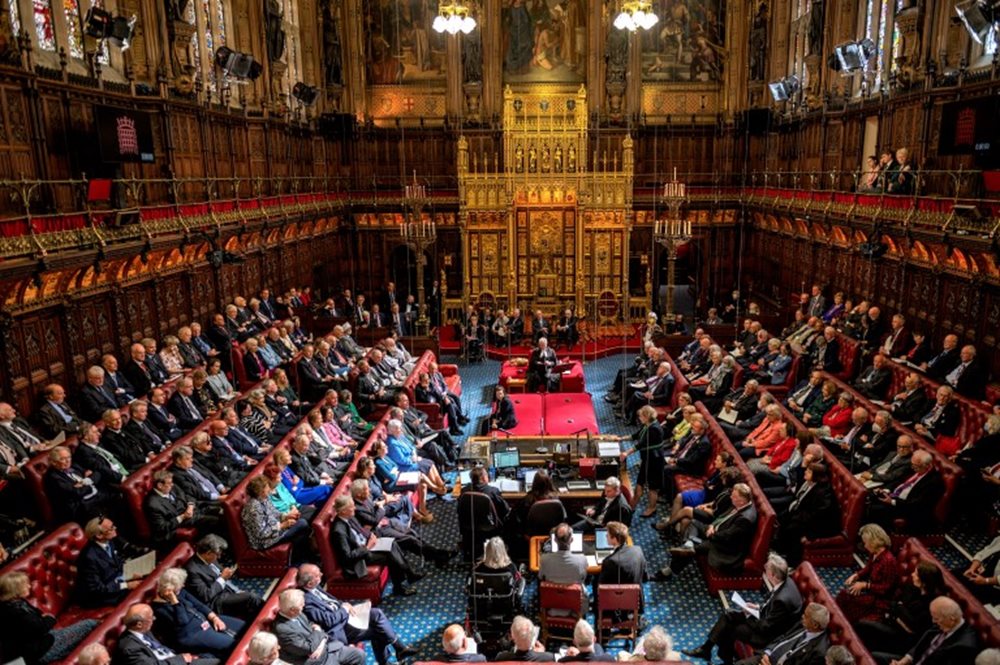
x,y
209,17
206,30
74,36
990,46
291,26
15,17
44,28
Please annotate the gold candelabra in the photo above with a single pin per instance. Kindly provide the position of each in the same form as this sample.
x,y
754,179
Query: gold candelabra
x,y
672,232
421,234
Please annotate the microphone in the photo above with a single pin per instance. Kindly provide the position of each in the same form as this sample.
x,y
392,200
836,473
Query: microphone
x,y
507,432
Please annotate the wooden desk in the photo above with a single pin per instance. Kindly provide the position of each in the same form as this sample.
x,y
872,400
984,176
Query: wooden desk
x,y
535,552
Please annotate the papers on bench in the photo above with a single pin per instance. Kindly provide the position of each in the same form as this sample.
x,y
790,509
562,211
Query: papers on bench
x,y
140,566
608,449
408,478
506,484
739,602
360,615
728,416
872,484
383,544
427,439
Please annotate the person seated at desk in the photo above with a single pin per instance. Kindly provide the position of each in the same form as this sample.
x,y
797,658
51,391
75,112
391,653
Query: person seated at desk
x,y
563,566
566,332
542,489
613,508
526,649
458,647
480,482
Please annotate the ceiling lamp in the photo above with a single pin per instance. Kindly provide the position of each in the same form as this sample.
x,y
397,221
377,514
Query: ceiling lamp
x,y
636,15
978,17
454,17
854,56
783,89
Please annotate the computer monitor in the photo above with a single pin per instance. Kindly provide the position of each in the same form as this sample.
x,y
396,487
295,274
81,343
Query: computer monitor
x,y
601,540
507,459
529,477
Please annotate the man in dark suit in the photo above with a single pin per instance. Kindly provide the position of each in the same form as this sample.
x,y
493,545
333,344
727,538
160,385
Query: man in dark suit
x,y
480,482
100,568
183,406
196,484
458,647
943,418
776,616
377,318
828,355
874,381
895,467
116,381
104,463
950,642
397,321
913,500
688,457
333,616
117,441
210,460
143,432
969,376
160,416
76,495
426,393
802,395
415,421
220,337
899,340
18,441
845,446
96,397
524,647
138,372
352,545
612,508
625,565
189,350
912,403
305,643
540,364
313,381
138,646
55,416
373,517
726,542
168,509
539,327
516,326
654,390
943,363
805,644
213,584
566,332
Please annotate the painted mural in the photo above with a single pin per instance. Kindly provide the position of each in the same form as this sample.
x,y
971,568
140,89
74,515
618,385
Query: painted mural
x,y
544,41
400,45
686,44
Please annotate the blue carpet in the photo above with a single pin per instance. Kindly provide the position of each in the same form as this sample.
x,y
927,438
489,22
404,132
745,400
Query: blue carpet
x,y
682,606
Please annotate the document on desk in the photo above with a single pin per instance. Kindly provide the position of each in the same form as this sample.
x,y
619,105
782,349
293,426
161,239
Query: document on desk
x,y
507,484
383,544
140,566
739,602
591,560
360,615
608,449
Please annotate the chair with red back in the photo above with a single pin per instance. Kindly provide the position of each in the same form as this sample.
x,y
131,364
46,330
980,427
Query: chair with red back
x,y
619,607
265,618
565,599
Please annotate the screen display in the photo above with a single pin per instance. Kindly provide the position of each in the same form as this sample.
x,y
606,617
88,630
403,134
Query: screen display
x,y
507,459
124,135
601,542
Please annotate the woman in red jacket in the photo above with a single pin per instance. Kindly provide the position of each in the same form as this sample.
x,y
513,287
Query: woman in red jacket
x,y
837,421
868,592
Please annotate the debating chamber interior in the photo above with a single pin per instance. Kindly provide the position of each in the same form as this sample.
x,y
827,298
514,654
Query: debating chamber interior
x,y
349,332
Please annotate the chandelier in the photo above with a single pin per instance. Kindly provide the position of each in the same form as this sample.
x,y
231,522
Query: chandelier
x,y
454,17
636,14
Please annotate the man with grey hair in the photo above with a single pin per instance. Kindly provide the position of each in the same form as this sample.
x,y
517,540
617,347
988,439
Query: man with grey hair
x,y
527,648
951,641
985,657
94,654
585,646
913,500
804,644
213,584
305,643
726,542
838,655
773,618
612,508
95,398
333,615
458,647
264,649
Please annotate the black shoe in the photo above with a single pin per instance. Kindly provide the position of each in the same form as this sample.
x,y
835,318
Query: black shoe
x,y
462,420
703,652
663,575
405,591
610,399
417,576
456,432
402,649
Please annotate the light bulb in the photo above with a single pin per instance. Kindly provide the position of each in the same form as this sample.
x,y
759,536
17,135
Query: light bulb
x,y
440,23
622,21
454,24
650,19
468,24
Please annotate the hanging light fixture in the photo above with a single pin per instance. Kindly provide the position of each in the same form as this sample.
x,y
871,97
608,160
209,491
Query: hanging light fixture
x,y
454,17
636,15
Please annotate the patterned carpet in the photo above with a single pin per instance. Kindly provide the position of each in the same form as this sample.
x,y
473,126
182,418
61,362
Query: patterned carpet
x,y
682,606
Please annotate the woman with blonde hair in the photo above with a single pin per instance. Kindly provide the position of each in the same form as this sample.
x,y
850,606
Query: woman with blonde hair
x,y
26,633
496,561
868,593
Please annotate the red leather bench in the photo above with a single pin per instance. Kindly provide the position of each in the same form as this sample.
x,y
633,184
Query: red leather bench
x,y
715,436
50,565
108,631
976,615
839,628
263,621
436,415
849,356
838,550
781,390
371,586
753,565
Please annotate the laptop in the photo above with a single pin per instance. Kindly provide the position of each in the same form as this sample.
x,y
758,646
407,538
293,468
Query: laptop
x,y
529,477
577,485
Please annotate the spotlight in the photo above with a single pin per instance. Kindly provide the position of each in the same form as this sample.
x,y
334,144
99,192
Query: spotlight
x,y
978,16
784,88
101,24
305,93
237,65
854,56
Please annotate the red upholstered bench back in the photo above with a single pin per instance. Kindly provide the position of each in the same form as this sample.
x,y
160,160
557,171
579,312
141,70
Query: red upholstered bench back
x,y
973,417
681,384
413,379
849,355
264,619
137,486
988,629
50,564
814,591
850,493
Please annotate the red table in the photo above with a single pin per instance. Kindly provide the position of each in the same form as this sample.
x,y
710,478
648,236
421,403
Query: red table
x,y
568,413
572,380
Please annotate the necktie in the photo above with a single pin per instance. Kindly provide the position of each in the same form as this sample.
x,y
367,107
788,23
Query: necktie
x,y
62,411
206,485
157,442
232,451
931,648
191,408
910,482
956,374
7,455
27,439
161,651
359,536
782,649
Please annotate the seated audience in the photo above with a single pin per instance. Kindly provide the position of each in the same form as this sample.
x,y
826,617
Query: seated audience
x,y
585,647
480,483
689,503
950,642
814,513
265,527
562,566
655,646
524,647
95,398
75,494
625,565
804,644
373,517
502,415
874,382
912,500
894,468
497,562
303,642
213,584
189,624
942,420
458,648
388,473
688,457
982,576
907,616
55,417
138,646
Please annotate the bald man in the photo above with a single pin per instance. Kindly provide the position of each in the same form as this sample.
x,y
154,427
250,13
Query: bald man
x,y
458,647
138,646
951,641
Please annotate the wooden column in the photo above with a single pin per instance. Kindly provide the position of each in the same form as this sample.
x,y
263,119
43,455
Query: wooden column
x,y
492,39
354,59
